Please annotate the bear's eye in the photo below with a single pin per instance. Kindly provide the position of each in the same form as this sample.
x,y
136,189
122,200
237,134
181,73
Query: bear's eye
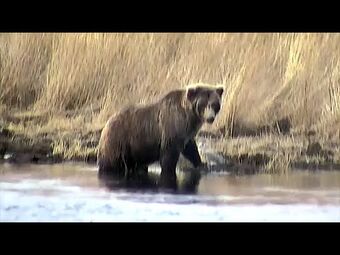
x,y
216,106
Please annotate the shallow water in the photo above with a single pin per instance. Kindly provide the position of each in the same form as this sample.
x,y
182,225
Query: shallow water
x,y
71,192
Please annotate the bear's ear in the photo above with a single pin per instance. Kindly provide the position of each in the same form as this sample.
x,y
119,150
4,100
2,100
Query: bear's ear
x,y
192,93
220,91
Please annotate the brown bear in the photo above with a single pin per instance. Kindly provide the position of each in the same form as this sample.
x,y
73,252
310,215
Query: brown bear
x,y
141,135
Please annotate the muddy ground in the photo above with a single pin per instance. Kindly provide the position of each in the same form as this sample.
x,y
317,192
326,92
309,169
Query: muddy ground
x,y
245,159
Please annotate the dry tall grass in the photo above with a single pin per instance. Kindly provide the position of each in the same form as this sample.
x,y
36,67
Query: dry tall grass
x,y
268,76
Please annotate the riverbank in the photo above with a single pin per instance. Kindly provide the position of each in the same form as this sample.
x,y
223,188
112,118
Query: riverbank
x,y
28,138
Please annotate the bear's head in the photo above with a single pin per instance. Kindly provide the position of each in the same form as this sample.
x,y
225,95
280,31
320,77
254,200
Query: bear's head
x,y
205,101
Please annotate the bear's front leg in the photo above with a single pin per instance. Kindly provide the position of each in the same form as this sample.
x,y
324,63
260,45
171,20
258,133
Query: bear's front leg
x,y
191,153
168,162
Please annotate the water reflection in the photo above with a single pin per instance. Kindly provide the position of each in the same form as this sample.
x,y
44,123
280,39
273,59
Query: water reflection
x,y
188,183
72,192
297,183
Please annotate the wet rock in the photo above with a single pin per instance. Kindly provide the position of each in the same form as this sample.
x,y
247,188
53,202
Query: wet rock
x,y
327,166
284,125
50,159
20,158
260,159
209,134
246,164
91,158
314,149
311,133
327,155
44,147
3,148
40,158
238,129
256,160
30,157
4,132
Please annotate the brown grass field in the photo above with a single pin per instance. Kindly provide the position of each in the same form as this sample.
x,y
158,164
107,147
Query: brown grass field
x,y
282,90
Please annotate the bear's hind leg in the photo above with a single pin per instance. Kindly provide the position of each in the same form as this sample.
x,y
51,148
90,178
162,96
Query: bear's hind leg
x,y
168,162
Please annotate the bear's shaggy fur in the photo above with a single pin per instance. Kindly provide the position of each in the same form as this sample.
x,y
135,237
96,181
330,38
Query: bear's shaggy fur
x,y
141,135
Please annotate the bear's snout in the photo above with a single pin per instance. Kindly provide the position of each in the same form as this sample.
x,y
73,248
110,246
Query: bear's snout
x,y
210,120
209,114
